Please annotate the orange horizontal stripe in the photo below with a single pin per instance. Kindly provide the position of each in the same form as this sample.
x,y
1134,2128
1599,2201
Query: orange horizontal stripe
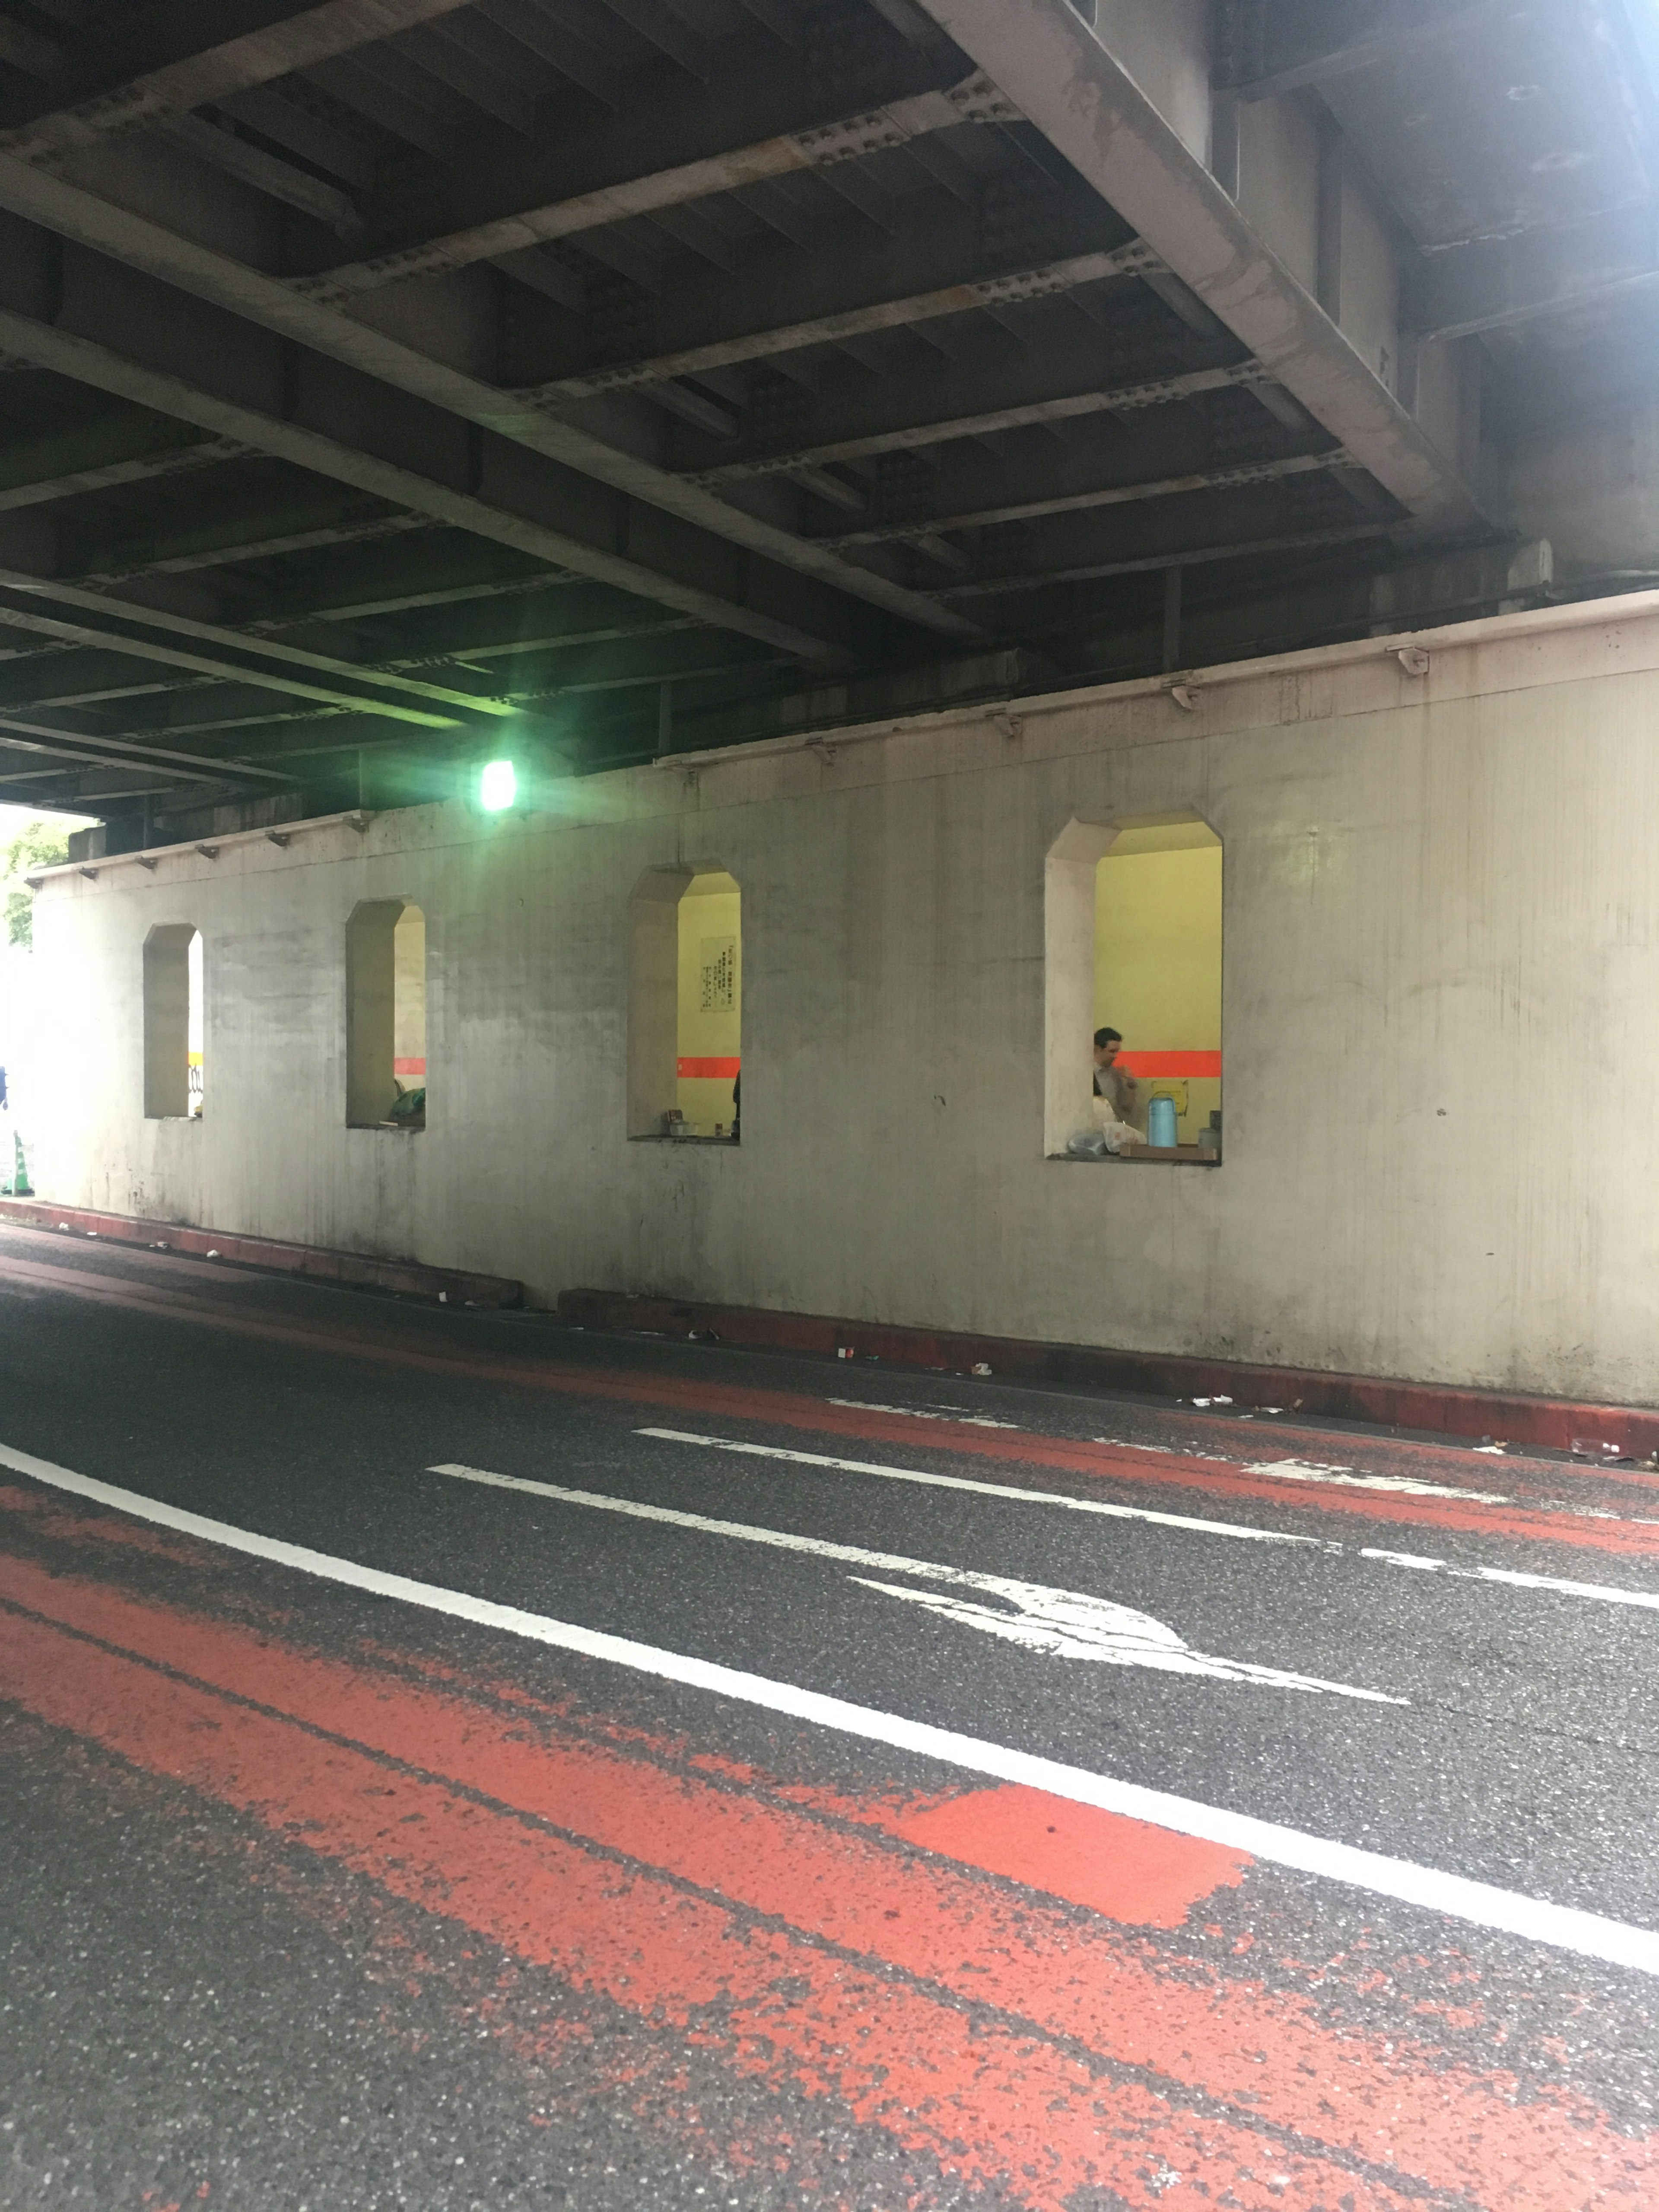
x,y
409,1067
1170,1063
715,1068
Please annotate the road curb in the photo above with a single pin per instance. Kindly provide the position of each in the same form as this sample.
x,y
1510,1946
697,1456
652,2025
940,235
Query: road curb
x,y
318,1262
1437,1409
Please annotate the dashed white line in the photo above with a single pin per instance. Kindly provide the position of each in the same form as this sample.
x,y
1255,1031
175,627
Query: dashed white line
x,y
1607,1593
1107,1509
958,1413
1348,1478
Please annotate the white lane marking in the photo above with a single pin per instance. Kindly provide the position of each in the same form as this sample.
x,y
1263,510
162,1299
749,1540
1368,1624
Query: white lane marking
x,y
1056,1623
1297,1470
917,1413
1608,1591
1483,1904
1413,1485
1408,1485
1103,1507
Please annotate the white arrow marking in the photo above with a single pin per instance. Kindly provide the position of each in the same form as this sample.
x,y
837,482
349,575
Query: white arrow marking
x,y
1069,1625
1063,1623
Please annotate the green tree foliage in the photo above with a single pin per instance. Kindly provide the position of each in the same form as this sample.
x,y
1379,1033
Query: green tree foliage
x,y
38,845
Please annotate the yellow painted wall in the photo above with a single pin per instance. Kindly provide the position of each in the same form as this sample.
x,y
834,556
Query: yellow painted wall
x,y
710,914
1158,961
408,991
194,1025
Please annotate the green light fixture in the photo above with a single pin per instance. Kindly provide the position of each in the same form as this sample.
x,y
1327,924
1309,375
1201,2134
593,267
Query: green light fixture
x,y
498,786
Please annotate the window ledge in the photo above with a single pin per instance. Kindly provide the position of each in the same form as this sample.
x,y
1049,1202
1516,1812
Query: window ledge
x,y
684,1143
1177,1156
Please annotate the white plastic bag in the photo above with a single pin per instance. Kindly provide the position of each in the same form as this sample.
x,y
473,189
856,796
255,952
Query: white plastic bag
x,y
1111,1137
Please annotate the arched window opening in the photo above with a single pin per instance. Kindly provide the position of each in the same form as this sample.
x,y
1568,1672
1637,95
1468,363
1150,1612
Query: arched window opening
x,y
174,1057
195,1064
708,1060
386,1016
685,1005
409,1011
1134,920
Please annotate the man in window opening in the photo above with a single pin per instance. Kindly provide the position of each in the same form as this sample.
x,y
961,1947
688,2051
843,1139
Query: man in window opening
x,y
1113,1084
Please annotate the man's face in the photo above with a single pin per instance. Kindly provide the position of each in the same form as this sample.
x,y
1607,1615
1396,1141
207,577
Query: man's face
x,y
1106,1054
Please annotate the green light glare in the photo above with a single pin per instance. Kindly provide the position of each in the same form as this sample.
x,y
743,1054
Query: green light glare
x,y
498,786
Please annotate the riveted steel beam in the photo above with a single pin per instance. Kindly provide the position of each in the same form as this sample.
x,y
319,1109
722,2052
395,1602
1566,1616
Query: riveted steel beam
x,y
119,623
87,362
253,536
820,146
1069,407
213,73
1188,556
1008,290
95,752
142,244
1237,477
86,619
118,449
266,173
1065,79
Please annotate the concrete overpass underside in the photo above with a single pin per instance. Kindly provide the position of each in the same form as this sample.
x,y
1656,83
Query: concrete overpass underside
x,y
652,375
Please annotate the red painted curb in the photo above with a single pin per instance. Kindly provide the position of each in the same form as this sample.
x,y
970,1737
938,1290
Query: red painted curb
x,y
1383,1401
315,1261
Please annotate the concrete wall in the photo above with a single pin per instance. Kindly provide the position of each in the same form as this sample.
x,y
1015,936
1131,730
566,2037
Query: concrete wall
x,y
1442,918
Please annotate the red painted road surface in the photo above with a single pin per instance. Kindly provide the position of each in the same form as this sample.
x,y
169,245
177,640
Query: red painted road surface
x,y
1051,2007
967,2017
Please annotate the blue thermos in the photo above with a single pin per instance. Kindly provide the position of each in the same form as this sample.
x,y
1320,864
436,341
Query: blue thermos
x,y
1161,1122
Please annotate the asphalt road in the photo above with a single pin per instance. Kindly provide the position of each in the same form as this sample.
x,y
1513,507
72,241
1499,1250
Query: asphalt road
x,y
458,1761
